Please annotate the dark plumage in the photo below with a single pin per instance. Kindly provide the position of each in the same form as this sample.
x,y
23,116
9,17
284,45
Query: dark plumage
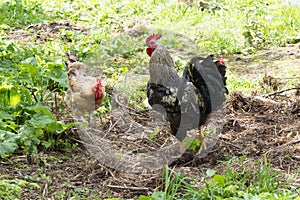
x,y
187,100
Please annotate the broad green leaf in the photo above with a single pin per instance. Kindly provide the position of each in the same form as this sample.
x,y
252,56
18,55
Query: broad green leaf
x,y
61,126
30,60
158,195
7,148
41,120
8,136
15,99
11,47
219,179
46,143
51,127
8,143
5,115
191,143
210,172
4,88
42,110
29,74
56,74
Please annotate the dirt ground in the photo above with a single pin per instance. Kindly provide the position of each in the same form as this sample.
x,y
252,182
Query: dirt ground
x,y
257,126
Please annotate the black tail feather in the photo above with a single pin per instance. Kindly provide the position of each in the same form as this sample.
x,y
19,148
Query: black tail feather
x,y
209,78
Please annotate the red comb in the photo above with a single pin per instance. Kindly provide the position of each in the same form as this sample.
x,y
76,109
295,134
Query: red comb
x,y
99,83
221,60
153,36
98,88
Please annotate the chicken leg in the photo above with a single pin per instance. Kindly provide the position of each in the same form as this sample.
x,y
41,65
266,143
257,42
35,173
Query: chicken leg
x,y
181,147
201,138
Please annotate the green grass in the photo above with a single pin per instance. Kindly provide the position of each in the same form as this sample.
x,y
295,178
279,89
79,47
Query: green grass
x,y
32,69
241,180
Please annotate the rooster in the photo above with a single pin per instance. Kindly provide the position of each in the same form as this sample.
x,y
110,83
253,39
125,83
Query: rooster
x,y
85,93
187,100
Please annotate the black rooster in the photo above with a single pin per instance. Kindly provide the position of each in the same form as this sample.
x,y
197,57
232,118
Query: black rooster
x,y
187,100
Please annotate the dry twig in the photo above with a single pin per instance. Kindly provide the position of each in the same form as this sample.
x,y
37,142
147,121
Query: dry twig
x,y
280,91
284,145
127,187
226,142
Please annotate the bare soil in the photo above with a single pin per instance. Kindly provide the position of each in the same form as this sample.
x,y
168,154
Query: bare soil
x,y
255,127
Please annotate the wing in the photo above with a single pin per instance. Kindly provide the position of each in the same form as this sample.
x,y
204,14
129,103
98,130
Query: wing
x,y
193,104
206,77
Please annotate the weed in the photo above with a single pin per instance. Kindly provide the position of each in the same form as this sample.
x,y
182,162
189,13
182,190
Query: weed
x,y
10,189
173,182
236,183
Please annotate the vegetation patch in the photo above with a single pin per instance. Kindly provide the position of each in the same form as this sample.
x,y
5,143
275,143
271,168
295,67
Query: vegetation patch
x,y
42,156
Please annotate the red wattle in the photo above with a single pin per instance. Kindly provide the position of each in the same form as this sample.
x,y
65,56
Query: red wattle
x,y
221,61
149,51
